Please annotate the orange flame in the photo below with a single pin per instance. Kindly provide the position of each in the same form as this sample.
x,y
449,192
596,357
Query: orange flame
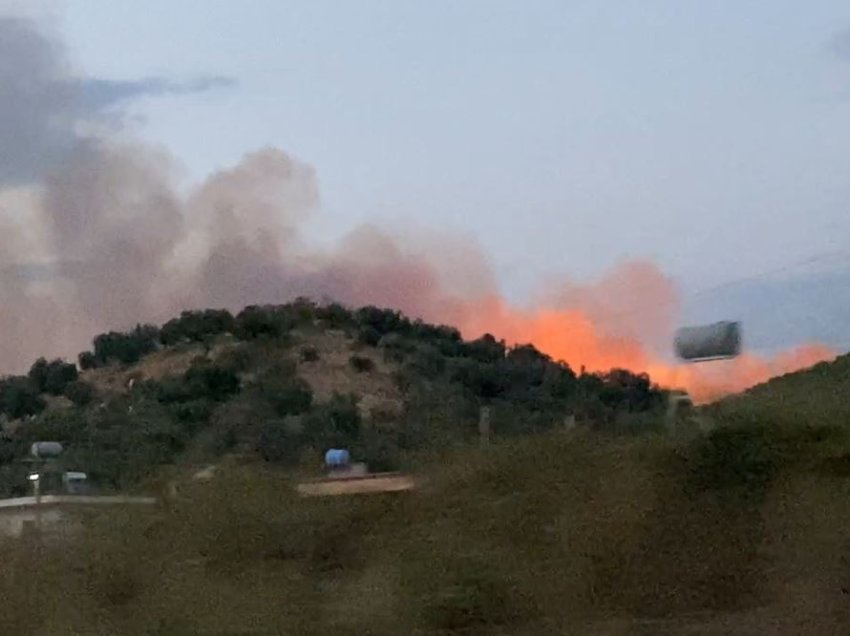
x,y
571,336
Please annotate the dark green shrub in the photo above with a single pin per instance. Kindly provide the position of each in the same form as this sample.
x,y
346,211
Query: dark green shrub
x,y
335,316
428,363
486,349
197,326
52,377
287,396
469,596
369,336
267,321
211,381
361,364
59,375
382,321
279,442
742,458
80,393
19,398
309,354
334,423
87,360
203,381
126,348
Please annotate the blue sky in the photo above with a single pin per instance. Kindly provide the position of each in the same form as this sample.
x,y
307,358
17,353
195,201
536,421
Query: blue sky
x,y
713,138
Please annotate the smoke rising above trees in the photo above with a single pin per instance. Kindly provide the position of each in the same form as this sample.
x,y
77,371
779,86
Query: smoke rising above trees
x,y
97,236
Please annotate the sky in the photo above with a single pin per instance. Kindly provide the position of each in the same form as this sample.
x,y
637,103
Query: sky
x,y
564,135
561,138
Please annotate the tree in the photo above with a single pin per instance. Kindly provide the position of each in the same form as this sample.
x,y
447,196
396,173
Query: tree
x,y
59,375
280,441
79,392
87,360
336,422
19,398
38,374
126,348
287,395
197,326
256,321
335,316
486,349
383,321
51,377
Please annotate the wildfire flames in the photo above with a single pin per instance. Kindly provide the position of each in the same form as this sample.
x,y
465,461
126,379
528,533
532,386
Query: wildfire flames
x,y
587,334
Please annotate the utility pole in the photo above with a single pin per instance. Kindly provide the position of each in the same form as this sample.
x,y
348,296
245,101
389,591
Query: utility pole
x,y
484,426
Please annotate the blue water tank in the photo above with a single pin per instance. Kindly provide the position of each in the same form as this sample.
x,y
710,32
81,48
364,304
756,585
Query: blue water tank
x,y
336,457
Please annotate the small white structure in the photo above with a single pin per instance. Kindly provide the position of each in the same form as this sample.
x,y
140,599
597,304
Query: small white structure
x,y
57,516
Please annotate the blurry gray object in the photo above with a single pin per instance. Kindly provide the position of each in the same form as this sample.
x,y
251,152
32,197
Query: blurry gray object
x,y
717,341
46,449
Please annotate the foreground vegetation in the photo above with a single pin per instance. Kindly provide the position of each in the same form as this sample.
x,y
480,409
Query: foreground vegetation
x,y
556,533
610,528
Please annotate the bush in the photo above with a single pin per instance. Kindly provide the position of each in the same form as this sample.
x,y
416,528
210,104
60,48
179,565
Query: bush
x,y
361,364
238,359
19,398
51,377
334,423
87,360
741,458
80,393
126,348
211,381
203,381
309,354
197,326
369,336
267,321
382,321
470,597
287,395
428,363
38,374
335,316
486,349
59,375
279,441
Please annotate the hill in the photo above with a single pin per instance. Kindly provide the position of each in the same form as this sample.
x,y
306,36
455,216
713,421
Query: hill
x,y
283,383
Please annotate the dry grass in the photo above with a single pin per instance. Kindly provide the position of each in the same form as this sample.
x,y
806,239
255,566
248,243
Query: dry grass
x,y
332,373
154,366
565,533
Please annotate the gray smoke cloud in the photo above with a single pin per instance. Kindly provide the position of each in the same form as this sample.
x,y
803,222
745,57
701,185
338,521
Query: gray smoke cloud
x,y
86,225
43,105
96,235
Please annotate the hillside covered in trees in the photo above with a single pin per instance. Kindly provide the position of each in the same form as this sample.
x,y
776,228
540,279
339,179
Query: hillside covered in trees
x,y
282,383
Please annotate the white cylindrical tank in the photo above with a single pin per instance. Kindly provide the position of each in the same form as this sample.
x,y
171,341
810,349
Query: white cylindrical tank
x,y
46,449
718,340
